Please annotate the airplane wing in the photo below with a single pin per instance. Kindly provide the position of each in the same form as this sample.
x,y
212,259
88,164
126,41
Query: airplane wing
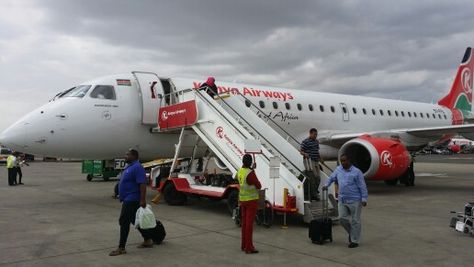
x,y
426,132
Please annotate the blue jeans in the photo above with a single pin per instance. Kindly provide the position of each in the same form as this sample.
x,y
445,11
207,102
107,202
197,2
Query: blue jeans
x,y
349,217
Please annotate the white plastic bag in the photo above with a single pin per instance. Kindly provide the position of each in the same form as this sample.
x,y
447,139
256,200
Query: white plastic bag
x,y
145,219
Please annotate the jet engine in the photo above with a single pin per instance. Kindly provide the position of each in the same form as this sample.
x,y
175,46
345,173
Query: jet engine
x,y
378,158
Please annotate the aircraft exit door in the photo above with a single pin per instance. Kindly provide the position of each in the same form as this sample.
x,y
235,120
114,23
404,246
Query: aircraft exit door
x,y
151,91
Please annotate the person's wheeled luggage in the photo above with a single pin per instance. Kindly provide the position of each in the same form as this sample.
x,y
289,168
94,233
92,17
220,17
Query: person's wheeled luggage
x,y
157,234
320,229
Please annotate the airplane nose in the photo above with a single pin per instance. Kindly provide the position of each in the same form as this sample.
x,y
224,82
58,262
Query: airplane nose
x,y
14,137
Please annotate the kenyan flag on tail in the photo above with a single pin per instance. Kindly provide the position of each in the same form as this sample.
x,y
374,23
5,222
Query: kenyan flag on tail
x,y
459,99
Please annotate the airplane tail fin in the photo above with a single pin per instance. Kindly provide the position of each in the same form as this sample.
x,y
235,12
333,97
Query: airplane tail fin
x,y
460,96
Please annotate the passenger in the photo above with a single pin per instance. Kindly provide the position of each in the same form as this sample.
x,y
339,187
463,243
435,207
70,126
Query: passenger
x,y
248,197
11,163
309,149
352,197
210,86
132,194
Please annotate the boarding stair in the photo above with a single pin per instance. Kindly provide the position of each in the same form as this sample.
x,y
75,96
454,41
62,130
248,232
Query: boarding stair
x,y
225,122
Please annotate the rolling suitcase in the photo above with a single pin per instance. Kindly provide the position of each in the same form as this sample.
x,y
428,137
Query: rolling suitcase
x,y
320,229
157,234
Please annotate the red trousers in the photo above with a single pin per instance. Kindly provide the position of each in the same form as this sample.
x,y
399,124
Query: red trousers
x,y
248,211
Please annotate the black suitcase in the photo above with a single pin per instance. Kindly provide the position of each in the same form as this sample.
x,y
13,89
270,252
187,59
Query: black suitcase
x,y
320,229
157,234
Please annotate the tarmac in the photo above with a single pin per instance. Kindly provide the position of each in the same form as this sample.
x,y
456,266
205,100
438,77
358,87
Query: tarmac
x,y
58,218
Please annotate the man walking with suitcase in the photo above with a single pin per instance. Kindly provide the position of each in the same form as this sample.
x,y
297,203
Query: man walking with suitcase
x,y
309,149
132,192
352,197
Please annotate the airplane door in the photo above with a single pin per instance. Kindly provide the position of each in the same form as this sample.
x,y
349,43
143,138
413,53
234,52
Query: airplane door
x,y
151,92
345,112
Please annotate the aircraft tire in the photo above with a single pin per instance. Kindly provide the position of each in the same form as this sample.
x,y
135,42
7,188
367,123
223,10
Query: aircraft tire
x,y
89,177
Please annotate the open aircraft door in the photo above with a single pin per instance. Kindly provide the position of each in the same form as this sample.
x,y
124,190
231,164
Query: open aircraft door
x,y
151,92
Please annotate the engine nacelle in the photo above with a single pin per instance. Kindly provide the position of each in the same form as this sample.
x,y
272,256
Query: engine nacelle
x,y
377,158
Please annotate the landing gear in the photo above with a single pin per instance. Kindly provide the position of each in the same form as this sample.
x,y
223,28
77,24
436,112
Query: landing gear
x,y
172,196
408,178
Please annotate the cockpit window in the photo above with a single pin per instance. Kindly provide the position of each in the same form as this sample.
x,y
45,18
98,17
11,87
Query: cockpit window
x,y
103,92
78,91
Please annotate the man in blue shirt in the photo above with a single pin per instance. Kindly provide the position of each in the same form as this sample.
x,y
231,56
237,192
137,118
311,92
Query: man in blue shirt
x,y
132,192
352,196
309,149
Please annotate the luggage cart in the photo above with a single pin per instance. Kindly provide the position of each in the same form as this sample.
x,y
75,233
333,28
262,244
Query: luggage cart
x,y
463,222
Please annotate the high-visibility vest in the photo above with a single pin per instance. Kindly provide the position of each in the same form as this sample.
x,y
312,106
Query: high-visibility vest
x,y
10,162
247,192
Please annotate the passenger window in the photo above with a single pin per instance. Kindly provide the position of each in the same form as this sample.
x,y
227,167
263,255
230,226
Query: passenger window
x,y
427,115
409,114
421,114
396,113
373,111
310,107
434,117
445,117
403,114
344,109
414,114
262,104
354,110
275,105
389,113
381,112
439,116
321,107
287,105
364,111
78,91
332,109
247,103
299,106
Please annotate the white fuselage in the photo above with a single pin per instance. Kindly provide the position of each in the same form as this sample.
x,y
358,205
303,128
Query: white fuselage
x,y
94,128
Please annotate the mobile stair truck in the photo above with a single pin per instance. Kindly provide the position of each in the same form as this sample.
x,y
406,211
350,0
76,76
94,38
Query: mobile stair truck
x,y
221,127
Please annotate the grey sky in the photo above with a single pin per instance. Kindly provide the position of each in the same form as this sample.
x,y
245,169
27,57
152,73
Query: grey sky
x,y
395,49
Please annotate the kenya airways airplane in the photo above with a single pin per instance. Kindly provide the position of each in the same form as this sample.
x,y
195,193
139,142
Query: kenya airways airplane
x,y
102,118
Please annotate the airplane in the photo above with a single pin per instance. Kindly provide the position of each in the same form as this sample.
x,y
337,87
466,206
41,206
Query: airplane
x,y
104,117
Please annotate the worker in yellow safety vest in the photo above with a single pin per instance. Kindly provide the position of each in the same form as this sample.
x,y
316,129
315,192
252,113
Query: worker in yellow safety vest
x,y
248,197
11,167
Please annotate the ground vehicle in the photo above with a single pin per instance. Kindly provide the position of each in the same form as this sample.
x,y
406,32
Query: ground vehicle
x,y
104,169
4,153
464,221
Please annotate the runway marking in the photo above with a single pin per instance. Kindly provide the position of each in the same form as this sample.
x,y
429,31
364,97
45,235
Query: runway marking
x,y
460,158
424,174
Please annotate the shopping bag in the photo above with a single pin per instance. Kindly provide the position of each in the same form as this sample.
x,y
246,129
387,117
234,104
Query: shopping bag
x,y
145,219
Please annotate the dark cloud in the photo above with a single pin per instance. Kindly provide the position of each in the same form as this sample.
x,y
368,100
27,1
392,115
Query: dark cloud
x,y
398,49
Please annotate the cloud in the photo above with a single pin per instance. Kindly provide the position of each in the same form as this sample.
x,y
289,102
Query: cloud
x,y
403,49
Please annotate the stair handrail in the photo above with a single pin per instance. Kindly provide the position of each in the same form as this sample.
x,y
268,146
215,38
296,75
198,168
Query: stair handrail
x,y
301,173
